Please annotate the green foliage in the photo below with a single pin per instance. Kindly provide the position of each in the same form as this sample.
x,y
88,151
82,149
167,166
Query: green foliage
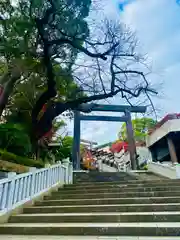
x,y
145,167
140,126
22,50
67,88
18,31
21,53
66,148
57,125
11,157
14,139
63,151
70,16
27,92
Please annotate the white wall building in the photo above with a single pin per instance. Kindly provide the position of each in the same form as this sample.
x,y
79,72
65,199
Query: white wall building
x,y
164,145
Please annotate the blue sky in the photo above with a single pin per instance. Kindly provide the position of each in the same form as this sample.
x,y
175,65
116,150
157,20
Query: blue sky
x,y
157,26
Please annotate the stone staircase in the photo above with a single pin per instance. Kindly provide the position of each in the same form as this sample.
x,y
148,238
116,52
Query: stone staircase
x,y
95,176
123,209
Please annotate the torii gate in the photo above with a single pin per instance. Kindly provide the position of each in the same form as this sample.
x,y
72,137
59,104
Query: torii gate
x,y
78,117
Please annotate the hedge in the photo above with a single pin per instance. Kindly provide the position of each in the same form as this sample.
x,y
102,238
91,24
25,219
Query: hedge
x,y
11,157
7,166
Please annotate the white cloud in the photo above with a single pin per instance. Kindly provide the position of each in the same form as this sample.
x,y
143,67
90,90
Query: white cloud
x,y
158,27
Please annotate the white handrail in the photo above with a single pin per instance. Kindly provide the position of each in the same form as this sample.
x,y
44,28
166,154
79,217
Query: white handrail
x,y
21,188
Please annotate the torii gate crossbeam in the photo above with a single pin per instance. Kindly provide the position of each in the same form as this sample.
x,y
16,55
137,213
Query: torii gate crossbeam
x,y
109,108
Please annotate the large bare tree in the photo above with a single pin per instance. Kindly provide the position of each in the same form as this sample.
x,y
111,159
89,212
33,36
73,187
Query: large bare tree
x,y
107,64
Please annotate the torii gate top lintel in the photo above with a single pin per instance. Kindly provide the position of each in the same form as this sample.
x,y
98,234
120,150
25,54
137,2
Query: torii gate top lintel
x,y
111,108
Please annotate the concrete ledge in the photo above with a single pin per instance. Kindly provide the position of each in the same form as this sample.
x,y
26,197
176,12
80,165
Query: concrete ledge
x,y
18,210
163,170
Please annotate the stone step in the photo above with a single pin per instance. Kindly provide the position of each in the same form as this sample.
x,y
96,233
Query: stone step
x,y
164,181
101,201
105,208
58,195
95,176
119,189
39,237
144,175
93,229
122,185
97,217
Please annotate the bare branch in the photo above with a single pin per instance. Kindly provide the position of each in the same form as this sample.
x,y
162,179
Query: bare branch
x,y
75,45
113,74
99,73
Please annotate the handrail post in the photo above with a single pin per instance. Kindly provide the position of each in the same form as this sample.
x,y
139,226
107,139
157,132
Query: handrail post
x,y
66,164
10,197
70,175
32,191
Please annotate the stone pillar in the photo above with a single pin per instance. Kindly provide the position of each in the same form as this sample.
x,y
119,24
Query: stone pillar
x,y
131,142
66,162
172,150
76,141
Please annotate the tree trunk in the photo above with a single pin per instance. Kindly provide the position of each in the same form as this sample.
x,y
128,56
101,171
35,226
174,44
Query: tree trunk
x,y
7,83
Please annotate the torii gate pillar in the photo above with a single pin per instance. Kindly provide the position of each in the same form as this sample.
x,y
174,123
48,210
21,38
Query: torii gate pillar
x,y
131,142
76,141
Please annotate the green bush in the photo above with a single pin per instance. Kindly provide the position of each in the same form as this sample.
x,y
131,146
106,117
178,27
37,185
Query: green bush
x,y
145,167
64,150
11,157
15,139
